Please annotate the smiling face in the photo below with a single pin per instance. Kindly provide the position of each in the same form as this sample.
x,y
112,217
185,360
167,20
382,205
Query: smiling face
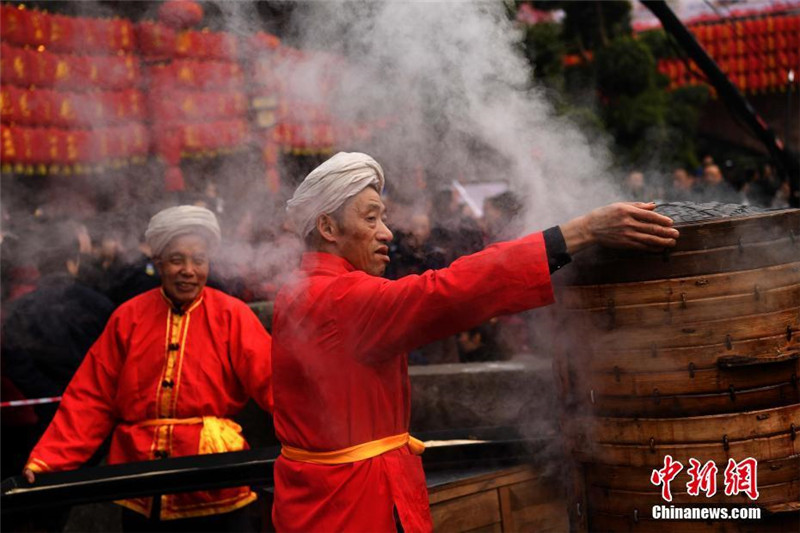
x,y
184,268
361,235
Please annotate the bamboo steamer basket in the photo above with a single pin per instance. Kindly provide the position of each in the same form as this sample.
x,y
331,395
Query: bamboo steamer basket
x,y
693,353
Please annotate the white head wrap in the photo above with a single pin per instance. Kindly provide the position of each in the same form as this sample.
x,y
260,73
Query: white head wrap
x,y
329,185
181,220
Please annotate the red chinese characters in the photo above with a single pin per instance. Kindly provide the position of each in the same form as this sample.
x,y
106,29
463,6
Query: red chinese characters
x,y
702,478
739,477
742,477
665,476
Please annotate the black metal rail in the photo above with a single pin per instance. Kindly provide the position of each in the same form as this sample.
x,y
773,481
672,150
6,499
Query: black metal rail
x,y
483,447
130,480
786,161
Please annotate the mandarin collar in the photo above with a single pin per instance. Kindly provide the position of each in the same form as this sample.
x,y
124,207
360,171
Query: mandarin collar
x,y
323,262
185,307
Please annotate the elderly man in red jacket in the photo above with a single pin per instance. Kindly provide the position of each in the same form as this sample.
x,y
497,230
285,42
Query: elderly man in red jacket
x,y
165,378
341,334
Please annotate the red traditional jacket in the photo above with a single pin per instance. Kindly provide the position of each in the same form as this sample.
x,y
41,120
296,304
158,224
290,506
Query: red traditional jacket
x,y
166,383
341,375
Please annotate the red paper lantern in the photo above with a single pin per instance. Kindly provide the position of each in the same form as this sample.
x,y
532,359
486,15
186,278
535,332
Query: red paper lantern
x,y
753,63
13,67
190,44
753,83
36,28
7,106
794,62
66,109
8,144
79,146
12,24
180,14
45,69
61,33
119,34
156,41
56,146
36,146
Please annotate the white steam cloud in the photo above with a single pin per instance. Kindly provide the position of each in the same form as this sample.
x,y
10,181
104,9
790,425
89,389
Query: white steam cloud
x,y
453,79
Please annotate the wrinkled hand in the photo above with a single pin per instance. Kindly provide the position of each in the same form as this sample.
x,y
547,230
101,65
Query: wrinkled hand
x,y
29,475
621,225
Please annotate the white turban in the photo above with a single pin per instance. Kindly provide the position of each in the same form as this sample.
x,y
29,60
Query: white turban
x,y
329,185
181,220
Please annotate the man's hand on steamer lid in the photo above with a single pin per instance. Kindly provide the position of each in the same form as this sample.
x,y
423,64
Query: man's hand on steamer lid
x,y
621,225
29,475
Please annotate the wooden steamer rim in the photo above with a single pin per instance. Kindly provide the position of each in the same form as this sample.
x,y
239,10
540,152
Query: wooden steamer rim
x,y
693,380
686,312
762,448
655,358
678,290
697,429
662,405
704,248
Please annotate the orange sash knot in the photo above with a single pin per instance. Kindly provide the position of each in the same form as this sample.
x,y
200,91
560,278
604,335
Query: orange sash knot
x,y
218,434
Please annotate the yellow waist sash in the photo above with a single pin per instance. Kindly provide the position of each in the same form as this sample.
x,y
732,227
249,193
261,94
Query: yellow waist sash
x,y
359,452
218,434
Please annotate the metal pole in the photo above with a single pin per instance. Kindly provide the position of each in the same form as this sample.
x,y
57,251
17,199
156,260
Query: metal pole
x,y
794,181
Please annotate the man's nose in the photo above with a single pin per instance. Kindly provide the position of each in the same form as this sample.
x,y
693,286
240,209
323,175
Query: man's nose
x,y
384,233
187,270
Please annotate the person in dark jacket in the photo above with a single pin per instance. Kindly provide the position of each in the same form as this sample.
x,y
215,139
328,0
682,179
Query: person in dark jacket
x,y
47,332
45,335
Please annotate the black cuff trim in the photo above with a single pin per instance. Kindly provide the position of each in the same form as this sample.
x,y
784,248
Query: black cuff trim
x,y
556,248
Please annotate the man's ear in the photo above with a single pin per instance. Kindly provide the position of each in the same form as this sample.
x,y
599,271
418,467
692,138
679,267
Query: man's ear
x,y
327,228
158,263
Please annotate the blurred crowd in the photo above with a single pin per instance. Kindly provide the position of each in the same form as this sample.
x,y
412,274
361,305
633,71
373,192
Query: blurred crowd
x,y
711,182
